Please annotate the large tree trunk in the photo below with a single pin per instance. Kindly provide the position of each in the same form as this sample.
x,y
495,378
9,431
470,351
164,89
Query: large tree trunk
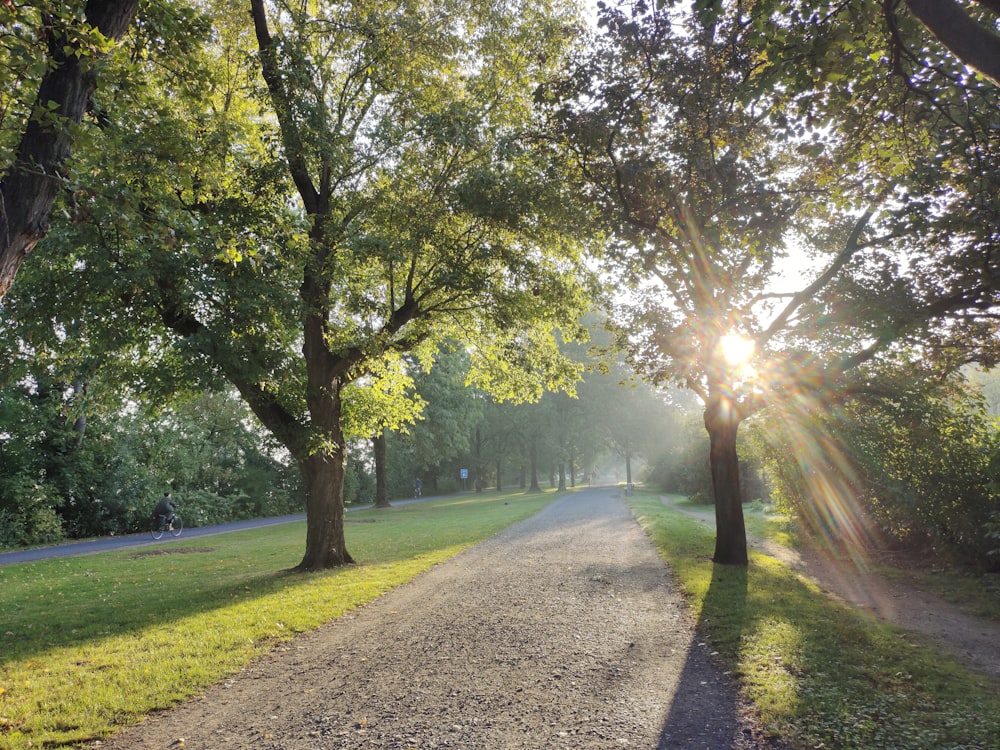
x,y
722,422
324,478
30,186
323,470
381,483
323,467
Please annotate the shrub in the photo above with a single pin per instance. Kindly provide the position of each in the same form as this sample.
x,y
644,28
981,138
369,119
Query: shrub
x,y
28,517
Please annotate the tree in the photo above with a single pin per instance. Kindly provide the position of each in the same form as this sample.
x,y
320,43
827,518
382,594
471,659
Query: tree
x,y
422,210
696,202
69,49
709,153
441,435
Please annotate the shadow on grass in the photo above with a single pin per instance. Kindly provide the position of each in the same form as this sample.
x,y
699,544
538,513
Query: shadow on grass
x,y
87,620
815,672
73,602
706,709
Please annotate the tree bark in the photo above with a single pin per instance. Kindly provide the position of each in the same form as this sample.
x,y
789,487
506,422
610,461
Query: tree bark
x,y
323,473
533,457
324,466
381,484
323,469
29,188
722,421
976,46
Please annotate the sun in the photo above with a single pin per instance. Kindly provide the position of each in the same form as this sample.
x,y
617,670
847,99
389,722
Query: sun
x,y
736,349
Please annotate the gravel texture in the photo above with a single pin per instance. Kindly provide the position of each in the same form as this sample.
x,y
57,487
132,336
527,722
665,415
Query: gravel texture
x,y
564,631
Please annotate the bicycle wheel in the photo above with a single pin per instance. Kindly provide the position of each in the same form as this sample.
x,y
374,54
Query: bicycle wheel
x,y
156,528
177,526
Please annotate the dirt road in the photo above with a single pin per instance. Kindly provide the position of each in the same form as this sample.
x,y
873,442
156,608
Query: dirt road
x,y
564,631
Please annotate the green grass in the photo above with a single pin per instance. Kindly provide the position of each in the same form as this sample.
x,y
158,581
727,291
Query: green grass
x,y
91,643
820,674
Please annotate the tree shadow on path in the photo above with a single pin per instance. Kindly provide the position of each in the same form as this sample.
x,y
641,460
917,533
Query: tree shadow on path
x,y
707,712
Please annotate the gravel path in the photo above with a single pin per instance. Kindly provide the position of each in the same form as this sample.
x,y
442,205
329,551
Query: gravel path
x,y
565,631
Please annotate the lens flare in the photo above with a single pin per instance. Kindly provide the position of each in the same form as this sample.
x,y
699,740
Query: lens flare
x,y
736,349
817,471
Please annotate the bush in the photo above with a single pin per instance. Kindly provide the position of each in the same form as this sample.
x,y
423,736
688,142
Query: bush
x,y
204,508
359,483
28,518
913,457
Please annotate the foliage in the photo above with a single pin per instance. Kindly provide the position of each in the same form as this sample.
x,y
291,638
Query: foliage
x,y
359,482
441,435
682,467
80,463
913,452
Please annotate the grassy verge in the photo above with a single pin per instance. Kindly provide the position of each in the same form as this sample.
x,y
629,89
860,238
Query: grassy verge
x,y
91,643
821,675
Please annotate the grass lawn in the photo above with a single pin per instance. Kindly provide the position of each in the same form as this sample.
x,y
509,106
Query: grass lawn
x,y
91,643
820,674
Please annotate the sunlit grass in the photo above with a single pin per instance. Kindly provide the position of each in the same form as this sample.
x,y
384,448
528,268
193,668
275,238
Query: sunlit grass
x,y
91,643
821,675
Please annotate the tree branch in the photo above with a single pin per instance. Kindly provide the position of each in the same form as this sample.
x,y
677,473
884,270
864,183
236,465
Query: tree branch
x,y
970,42
282,103
852,246
281,422
29,188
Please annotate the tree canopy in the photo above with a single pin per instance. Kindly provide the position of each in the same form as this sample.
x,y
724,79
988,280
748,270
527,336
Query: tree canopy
x,y
294,199
715,140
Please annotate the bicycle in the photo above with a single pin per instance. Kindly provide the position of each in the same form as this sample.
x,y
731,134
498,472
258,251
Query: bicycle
x,y
160,525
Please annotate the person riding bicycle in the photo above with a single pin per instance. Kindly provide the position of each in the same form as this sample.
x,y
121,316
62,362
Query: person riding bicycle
x,y
164,510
